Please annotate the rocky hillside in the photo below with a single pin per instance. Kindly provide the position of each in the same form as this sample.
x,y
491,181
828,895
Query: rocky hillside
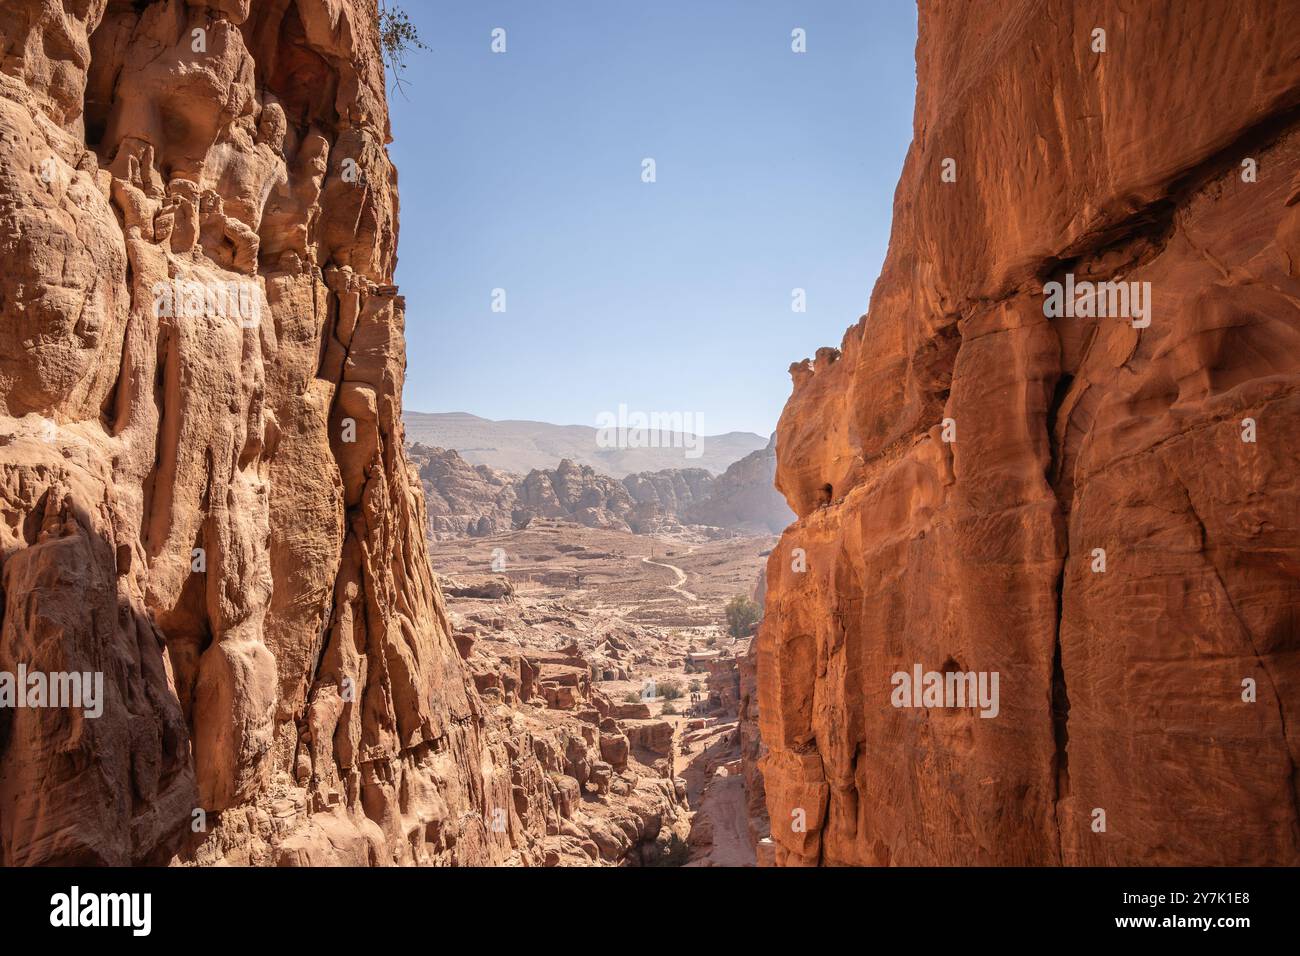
x,y
202,474
463,500
745,496
476,500
1100,508
667,497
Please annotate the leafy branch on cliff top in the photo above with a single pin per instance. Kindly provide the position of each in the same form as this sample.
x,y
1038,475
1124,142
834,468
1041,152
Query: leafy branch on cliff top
x,y
397,38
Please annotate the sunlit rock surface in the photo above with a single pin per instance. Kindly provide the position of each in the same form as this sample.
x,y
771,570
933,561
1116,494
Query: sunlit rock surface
x,y
202,481
1171,158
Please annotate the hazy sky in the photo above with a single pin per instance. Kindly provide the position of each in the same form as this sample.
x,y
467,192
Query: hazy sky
x,y
523,171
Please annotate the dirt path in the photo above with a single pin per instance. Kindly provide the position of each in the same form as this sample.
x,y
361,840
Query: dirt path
x,y
721,817
681,576
725,803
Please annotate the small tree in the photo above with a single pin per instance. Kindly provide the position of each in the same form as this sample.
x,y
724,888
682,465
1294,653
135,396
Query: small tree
x,y
397,37
671,689
742,615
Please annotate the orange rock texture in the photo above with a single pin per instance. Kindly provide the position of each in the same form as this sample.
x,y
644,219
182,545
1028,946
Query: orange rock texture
x,y
202,481
1103,511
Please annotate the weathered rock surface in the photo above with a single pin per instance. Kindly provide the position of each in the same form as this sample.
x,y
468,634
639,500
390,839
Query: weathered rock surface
x,y
667,498
467,500
752,748
1121,691
202,477
752,751
744,496
463,500
574,492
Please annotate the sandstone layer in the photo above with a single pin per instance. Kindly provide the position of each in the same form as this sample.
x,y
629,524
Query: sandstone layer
x,y
961,463
202,477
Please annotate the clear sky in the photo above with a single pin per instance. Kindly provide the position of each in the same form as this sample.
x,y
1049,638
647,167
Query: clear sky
x,y
522,171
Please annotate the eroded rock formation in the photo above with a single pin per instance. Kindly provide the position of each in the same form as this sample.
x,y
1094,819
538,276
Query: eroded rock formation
x,y
634,810
204,491
666,498
961,462
744,497
463,500
752,749
467,500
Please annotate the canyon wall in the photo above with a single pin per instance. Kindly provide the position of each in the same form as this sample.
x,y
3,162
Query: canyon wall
x,y
1102,510
202,481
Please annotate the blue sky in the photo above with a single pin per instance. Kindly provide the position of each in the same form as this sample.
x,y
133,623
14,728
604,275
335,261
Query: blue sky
x,y
523,171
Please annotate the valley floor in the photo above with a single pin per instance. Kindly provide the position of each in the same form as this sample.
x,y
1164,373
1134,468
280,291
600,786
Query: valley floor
x,y
620,638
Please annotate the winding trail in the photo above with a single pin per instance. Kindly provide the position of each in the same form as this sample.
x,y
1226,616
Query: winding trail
x,y
681,575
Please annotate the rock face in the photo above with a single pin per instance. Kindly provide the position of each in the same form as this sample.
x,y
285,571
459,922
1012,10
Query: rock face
x,y
467,500
745,496
463,500
668,497
575,492
752,749
1149,712
204,491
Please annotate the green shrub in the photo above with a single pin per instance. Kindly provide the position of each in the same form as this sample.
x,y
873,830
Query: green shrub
x,y
742,615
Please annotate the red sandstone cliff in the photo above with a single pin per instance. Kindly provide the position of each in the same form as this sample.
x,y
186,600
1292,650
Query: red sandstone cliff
x,y
204,492
1121,690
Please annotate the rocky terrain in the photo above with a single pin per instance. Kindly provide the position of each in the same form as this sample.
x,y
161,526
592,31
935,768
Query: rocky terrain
x,y
744,496
209,510
463,499
1101,508
476,500
601,635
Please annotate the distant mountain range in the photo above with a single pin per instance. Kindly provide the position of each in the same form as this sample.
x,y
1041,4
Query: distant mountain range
x,y
522,446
